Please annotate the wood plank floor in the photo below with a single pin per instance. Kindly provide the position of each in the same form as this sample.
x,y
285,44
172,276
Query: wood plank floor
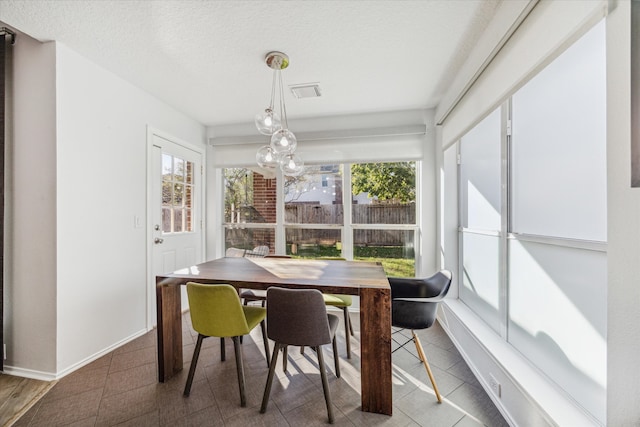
x,y
18,395
121,388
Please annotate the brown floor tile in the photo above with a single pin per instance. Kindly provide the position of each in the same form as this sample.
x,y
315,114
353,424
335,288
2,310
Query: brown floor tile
x,y
125,406
131,379
131,359
121,389
79,382
68,410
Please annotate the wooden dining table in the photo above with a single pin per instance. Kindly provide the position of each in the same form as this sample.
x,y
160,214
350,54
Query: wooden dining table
x,y
366,280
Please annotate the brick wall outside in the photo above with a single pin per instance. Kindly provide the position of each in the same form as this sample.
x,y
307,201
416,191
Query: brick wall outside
x,y
264,201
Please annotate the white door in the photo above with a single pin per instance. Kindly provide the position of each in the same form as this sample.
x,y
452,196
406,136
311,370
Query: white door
x,y
175,211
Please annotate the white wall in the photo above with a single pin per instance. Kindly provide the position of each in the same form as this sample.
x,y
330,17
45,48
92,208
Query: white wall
x,y
91,166
623,231
102,135
30,251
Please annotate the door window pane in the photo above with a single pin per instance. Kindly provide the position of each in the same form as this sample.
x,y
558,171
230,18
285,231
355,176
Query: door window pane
x,y
176,194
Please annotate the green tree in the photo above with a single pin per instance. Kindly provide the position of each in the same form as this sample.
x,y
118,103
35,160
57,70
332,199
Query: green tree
x,y
393,182
238,184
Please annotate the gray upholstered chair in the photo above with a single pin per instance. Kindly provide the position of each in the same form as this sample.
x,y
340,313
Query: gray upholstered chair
x,y
414,305
298,317
249,295
343,302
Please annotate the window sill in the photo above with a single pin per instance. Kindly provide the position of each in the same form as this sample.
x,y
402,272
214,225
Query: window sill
x,y
526,393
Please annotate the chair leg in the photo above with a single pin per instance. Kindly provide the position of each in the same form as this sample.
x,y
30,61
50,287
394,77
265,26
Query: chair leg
x,y
263,326
240,368
223,356
285,357
345,310
194,362
272,369
426,365
350,322
336,359
325,384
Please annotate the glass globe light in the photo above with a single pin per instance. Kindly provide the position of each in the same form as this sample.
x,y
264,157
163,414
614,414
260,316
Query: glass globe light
x,y
283,141
268,122
266,158
291,165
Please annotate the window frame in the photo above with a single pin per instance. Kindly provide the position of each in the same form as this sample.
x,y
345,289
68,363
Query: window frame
x,y
346,229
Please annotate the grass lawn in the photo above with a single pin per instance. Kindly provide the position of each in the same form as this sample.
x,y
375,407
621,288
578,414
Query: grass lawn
x,y
395,260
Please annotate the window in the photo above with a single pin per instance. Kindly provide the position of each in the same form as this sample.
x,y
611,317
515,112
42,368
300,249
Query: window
x,y
314,213
378,225
533,221
177,194
384,215
249,211
480,192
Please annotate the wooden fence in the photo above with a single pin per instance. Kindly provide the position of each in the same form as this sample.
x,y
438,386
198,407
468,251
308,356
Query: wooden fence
x,y
362,214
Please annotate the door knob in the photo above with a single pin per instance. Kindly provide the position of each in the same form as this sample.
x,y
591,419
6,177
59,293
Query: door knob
x,y
158,241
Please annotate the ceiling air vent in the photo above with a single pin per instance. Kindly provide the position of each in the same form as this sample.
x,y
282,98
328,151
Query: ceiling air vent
x,y
306,90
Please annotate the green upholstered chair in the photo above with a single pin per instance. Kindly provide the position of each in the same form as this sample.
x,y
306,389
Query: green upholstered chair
x,y
216,312
342,302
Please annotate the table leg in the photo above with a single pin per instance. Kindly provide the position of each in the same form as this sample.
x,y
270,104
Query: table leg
x,y
375,347
169,330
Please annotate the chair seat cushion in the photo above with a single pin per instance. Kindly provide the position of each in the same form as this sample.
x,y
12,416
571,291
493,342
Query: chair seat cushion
x,y
254,315
337,300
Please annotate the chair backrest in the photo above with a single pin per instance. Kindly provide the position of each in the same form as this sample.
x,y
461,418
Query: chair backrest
x,y
216,310
297,317
257,252
234,252
434,286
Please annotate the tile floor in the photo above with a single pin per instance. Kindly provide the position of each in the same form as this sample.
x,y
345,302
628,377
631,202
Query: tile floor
x,y
121,389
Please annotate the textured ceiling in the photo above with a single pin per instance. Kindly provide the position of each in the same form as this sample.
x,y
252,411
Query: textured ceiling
x,y
206,58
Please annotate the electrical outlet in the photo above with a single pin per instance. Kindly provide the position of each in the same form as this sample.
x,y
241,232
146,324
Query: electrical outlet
x,y
495,385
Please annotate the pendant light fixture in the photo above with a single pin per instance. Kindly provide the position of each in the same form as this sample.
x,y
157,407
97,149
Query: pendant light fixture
x,y
283,143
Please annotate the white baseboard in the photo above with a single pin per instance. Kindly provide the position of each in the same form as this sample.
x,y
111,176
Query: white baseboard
x,y
50,376
29,373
